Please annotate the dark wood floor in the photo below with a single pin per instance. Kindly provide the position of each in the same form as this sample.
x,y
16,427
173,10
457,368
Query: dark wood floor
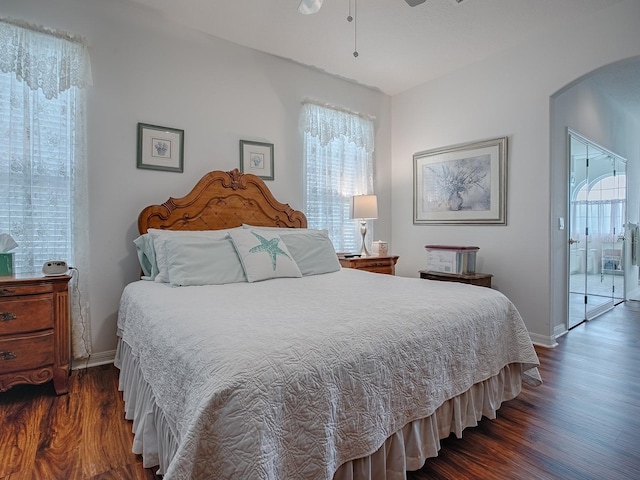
x,y
582,423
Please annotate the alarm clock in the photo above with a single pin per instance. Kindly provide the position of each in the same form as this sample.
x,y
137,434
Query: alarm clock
x,y
53,268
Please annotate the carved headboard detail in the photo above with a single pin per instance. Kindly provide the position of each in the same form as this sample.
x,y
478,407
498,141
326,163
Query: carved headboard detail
x,y
222,200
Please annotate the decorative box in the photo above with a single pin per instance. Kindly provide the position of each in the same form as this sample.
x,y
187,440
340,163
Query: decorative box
x,y
451,259
6,264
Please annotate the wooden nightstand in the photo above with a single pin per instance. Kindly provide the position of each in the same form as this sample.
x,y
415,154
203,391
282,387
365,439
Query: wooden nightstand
x,y
385,265
480,279
34,331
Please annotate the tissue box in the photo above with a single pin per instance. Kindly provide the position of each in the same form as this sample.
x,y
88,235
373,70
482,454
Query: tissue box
x,y
6,264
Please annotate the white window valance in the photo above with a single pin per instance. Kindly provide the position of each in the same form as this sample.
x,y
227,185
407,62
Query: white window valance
x,y
52,66
320,121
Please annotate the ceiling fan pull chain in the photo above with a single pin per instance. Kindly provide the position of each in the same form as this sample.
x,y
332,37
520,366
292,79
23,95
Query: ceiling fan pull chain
x,y
355,28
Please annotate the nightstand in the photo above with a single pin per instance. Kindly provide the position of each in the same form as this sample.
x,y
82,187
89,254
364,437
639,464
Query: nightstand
x,y
34,331
386,265
480,279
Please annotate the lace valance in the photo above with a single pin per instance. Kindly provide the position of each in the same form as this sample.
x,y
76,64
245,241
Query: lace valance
x,y
327,124
50,60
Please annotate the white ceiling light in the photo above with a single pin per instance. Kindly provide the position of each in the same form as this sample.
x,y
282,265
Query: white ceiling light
x,y
307,7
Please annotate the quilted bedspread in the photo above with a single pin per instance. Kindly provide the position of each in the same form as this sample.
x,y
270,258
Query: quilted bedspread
x,y
289,378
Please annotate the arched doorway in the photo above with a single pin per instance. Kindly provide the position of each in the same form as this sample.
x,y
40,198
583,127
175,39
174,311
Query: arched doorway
x,y
604,106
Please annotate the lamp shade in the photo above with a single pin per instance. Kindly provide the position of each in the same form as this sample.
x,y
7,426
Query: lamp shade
x,y
365,206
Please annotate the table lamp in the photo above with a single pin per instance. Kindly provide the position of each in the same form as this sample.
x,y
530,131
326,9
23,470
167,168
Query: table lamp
x,y
365,207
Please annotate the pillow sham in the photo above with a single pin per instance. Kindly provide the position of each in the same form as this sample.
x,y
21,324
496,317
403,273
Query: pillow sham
x,y
146,256
312,250
202,261
264,255
160,236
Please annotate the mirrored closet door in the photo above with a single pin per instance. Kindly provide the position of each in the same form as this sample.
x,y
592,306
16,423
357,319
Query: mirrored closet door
x,y
597,217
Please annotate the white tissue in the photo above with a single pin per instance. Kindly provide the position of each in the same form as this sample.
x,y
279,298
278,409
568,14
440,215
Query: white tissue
x,y
7,243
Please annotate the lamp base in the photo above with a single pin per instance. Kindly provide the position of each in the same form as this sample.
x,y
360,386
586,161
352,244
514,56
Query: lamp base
x,y
363,230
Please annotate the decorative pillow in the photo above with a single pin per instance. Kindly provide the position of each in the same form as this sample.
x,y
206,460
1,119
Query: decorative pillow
x,y
312,250
160,236
263,255
202,261
146,256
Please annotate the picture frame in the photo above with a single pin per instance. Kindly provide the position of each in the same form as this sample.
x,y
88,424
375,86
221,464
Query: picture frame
x,y
160,148
463,184
257,158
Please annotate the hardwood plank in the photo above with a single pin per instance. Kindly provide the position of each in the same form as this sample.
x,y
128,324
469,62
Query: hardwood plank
x,y
583,423
79,436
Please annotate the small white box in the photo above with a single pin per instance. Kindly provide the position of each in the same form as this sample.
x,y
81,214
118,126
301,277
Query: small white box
x,y
379,248
451,259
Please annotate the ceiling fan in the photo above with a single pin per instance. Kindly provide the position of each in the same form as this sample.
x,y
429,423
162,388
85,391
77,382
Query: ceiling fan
x,y
307,7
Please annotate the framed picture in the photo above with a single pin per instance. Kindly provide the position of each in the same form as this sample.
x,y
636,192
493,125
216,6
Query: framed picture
x,y
160,148
257,158
461,184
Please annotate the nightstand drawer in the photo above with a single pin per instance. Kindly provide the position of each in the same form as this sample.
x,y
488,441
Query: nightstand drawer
x,y
26,352
385,265
9,290
25,314
379,268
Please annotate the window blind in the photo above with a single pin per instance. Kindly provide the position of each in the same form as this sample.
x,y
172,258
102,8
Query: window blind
x,y
338,159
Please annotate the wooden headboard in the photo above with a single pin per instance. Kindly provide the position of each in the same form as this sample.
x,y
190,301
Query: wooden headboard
x,y
222,200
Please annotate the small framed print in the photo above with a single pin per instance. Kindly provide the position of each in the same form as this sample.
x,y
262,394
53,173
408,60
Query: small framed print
x,y
160,148
257,158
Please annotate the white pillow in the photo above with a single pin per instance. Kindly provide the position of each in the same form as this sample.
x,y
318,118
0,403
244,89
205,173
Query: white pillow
x,y
146,256
202,261
159,237
263,255
312,250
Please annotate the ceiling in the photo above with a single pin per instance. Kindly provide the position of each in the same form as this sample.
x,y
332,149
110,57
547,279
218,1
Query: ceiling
x,y
399,47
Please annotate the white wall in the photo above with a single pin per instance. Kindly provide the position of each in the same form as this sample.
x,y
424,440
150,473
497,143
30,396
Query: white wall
x,y
147,69
508,94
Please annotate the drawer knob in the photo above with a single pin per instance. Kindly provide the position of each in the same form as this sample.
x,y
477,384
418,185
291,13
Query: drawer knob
x,y
8,355
6,316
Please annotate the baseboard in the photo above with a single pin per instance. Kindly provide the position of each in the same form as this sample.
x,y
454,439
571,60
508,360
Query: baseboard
x,y
101,358
542,341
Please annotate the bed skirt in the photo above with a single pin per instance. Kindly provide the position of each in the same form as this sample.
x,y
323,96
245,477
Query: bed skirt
x,y
405,450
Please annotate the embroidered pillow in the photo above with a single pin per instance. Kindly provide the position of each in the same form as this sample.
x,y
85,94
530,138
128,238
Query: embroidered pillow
x,y
263,255
312,250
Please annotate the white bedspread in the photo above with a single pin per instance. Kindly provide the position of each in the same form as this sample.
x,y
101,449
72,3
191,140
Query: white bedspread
x,y
289,378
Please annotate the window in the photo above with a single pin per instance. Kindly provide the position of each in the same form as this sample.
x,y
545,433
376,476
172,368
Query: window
x,y
36,160
43,199
601,207
338,161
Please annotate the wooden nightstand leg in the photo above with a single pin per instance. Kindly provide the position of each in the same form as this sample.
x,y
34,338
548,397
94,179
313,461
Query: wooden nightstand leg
x,y
61,380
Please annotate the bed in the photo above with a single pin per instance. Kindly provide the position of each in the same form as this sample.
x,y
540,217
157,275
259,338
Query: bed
x,y
314,373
